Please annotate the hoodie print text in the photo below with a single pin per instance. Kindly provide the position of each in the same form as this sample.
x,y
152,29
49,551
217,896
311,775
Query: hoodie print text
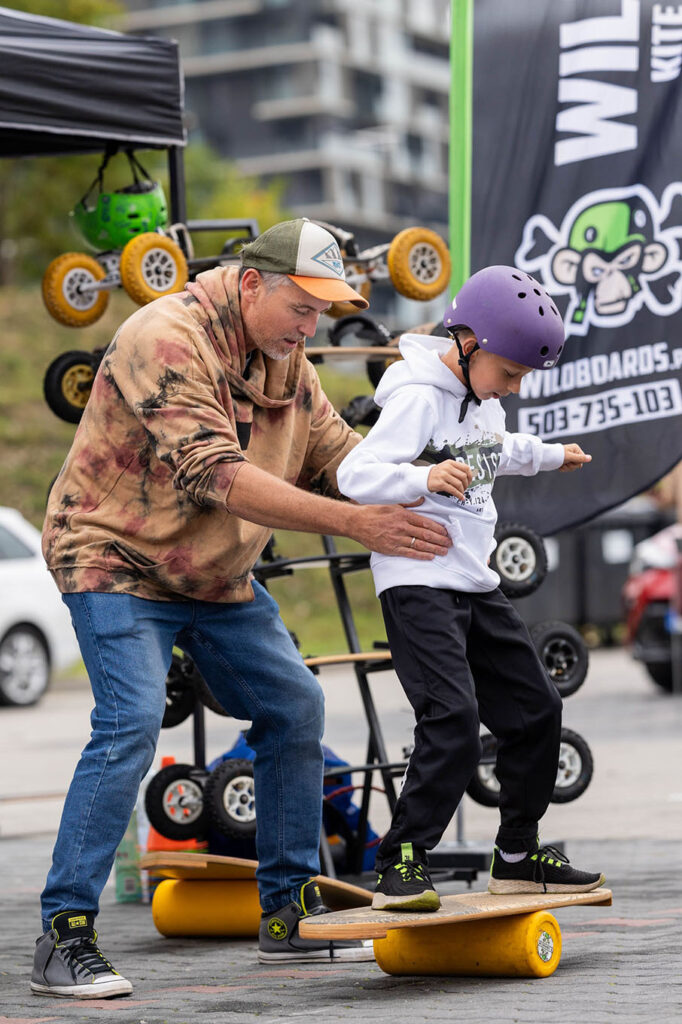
x,y
482,454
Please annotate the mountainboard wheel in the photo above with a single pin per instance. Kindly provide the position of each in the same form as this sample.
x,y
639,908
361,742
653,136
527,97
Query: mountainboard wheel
x,y
66,292
575,768
68,382
152,265
574,772
520,559
419,264
180,696
230,798
563,653
174,802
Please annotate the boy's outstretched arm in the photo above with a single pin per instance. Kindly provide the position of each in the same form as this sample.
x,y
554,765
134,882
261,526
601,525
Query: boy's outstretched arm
x,y
574,458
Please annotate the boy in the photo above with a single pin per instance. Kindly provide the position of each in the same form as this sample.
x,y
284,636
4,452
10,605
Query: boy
x,y
462,653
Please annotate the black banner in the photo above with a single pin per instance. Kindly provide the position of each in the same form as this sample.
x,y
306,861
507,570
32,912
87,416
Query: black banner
x,y
577,180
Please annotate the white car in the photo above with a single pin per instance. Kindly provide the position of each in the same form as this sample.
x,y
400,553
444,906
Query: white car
x,y
36,635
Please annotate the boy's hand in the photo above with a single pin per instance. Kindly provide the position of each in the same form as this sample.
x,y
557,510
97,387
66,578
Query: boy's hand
x,y
450,477
574,458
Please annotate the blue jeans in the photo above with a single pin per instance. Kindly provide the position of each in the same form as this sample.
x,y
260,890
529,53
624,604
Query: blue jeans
x,y
248,660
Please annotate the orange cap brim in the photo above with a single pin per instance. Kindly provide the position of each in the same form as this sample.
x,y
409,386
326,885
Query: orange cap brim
x,y
329,290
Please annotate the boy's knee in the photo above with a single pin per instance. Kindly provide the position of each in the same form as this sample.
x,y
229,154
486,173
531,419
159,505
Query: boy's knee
x,y
472,750
554,706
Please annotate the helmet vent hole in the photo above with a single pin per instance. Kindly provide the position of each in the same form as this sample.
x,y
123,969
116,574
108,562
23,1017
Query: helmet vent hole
x,y
516,277
536,290
522,295
541,311
554,310
544,350
560,350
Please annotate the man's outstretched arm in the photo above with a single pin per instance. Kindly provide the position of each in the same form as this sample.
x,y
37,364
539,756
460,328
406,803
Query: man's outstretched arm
x,y
388,529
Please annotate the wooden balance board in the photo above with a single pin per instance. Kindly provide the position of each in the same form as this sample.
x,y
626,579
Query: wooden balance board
x,y
471,934
204,894
373,352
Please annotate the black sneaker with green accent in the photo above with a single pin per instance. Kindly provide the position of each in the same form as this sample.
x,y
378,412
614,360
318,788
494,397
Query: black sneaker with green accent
x,y
406,885
68,962
278,938
544,870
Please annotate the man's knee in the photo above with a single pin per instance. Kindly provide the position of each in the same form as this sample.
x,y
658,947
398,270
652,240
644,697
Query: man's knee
x,y
301,709
134,736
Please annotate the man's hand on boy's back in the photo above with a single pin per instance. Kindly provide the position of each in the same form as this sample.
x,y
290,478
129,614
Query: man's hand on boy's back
x,y
449,477
574,458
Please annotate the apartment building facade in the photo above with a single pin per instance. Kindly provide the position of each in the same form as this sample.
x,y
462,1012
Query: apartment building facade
x,y
347,100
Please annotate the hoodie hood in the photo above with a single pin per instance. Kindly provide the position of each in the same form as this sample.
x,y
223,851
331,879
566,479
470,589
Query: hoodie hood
x,y
272,383
420,364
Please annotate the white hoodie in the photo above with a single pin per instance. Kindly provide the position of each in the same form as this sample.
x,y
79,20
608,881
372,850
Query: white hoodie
x,y
421,400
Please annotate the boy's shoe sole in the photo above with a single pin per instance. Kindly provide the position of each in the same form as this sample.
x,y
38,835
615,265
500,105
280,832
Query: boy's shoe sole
x,y
427,900
344,954
507,887
105,990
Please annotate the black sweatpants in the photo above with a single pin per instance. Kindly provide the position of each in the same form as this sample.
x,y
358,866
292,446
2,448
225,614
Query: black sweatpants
x,y
464,659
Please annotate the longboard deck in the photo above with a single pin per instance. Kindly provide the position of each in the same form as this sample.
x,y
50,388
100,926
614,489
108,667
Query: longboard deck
x,y
190,866
470,906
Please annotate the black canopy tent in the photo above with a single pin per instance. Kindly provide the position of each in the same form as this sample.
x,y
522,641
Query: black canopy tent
x,y
69,88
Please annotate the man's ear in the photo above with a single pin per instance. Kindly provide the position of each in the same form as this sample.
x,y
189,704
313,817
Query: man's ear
x,y
250,282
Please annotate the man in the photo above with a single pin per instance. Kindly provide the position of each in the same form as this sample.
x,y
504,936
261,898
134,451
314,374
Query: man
x,y
206,428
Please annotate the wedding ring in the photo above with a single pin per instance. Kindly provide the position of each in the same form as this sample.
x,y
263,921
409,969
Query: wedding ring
x,y
413,542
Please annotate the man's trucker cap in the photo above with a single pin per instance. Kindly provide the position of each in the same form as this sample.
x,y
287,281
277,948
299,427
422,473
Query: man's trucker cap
x,y
308,254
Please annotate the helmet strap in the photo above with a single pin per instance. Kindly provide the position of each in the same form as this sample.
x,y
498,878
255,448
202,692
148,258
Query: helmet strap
x,y
136,166
464,363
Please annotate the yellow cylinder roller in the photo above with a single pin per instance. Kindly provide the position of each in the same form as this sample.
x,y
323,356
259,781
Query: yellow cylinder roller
x,y
227,909
522,946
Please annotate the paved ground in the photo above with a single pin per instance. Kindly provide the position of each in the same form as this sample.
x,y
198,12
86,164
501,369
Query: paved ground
x,y
619,962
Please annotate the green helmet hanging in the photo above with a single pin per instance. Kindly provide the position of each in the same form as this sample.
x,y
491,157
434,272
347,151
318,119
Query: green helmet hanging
x,y
121,215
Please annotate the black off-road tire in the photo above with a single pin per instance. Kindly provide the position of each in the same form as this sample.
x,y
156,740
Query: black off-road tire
x,y
573,776
520,559
483,786
181,697
67,384
230,798
174,802
575,768
563,654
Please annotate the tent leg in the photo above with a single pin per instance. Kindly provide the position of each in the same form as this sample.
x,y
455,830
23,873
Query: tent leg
x,y
176,174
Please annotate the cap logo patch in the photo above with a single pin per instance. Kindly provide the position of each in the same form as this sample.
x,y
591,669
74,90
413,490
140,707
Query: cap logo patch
x,y
330,258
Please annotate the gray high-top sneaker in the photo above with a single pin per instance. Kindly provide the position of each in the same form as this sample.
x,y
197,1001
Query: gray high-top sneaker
x,y
278,937
68,963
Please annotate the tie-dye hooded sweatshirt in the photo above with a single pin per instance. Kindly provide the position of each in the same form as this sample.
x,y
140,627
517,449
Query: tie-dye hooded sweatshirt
x,y
141,504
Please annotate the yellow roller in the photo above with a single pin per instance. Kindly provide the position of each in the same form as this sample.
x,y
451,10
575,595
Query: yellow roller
x,y
226,909
521,946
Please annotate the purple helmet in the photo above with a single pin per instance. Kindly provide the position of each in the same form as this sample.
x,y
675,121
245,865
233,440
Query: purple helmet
x,y
511,315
